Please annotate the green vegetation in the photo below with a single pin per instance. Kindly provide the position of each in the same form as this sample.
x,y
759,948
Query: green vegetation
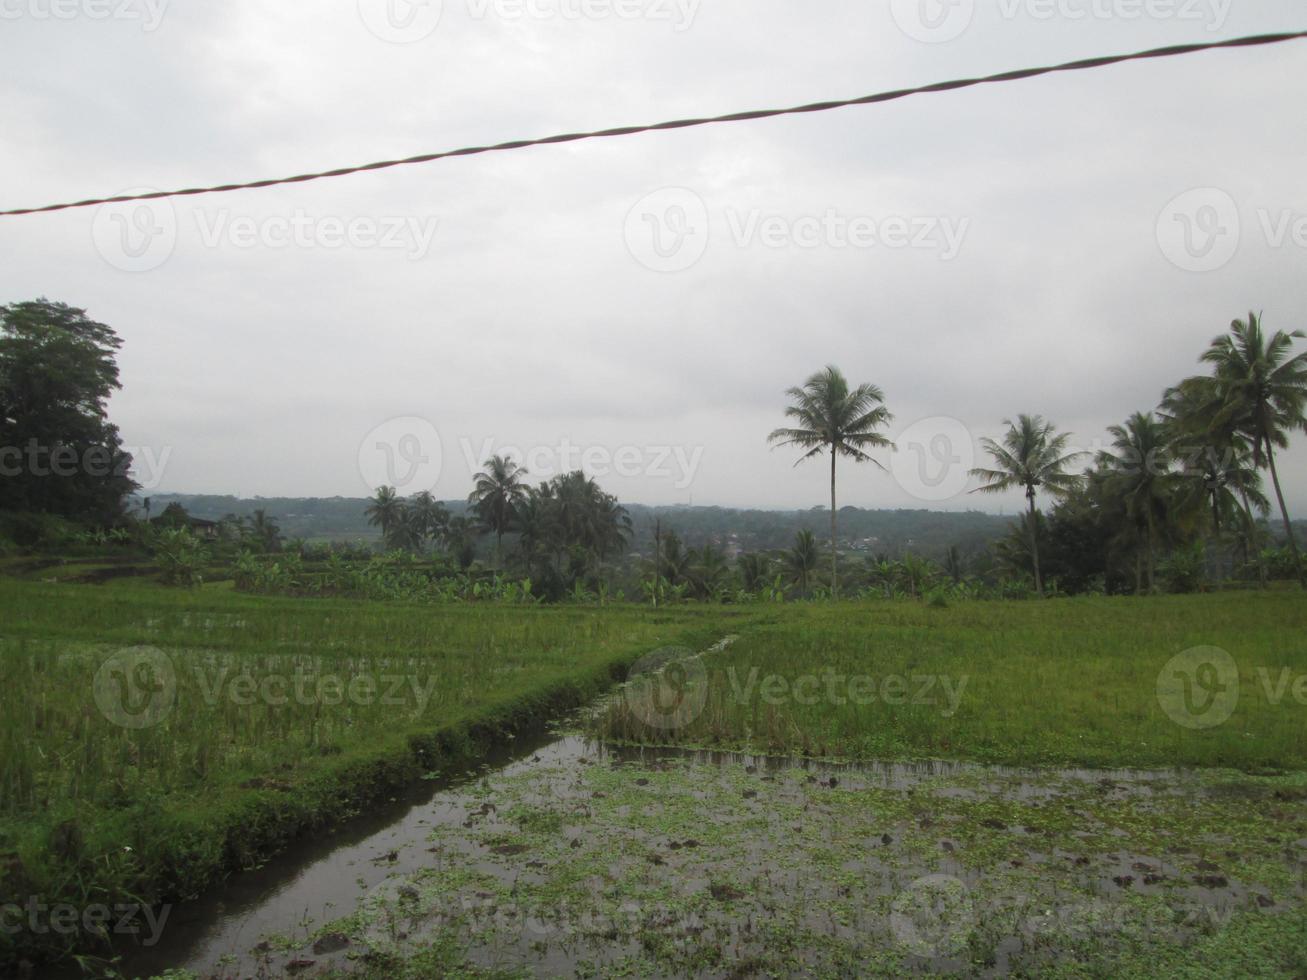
x,y
1067,682
613,870
261,718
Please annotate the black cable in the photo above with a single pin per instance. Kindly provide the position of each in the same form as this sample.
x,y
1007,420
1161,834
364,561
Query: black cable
x,y
1007,76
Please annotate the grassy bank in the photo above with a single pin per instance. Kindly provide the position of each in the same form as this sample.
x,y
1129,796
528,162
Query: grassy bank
x,y
153,741
1064,682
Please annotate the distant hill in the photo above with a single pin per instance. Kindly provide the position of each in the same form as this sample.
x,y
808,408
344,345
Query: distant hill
x,y
924,532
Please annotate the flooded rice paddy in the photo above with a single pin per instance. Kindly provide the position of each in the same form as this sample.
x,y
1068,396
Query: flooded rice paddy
x,y
574,858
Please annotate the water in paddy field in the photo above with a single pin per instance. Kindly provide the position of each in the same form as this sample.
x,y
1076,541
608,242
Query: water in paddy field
x,y
564,854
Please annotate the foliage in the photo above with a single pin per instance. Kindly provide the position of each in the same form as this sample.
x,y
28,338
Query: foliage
x,y
59,452
828,417
181,557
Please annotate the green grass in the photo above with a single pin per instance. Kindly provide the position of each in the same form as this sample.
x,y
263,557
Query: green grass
x,y
93,811
1060,682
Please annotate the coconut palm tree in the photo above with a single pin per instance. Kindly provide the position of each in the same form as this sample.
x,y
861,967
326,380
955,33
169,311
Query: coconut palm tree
x,y
496,497
801,559
265,531
385,510
1032,455
830,417
428,517
1264,393
755,571
1217,467
1142,478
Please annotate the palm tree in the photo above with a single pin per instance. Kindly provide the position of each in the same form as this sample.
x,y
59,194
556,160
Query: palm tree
x,y
801,559
1264,393
460,537
829,416
674,559
264,530
498,494
709,571
755,571
953,565
385,510
427,517
1141,477
1217,467
1031,455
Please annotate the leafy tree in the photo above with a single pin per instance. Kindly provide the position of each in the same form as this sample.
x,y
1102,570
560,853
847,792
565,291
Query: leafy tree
x,y
1032,455
830,418
59,454
1263,388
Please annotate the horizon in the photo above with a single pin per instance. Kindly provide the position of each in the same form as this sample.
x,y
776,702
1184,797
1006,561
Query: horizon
x,y
662,291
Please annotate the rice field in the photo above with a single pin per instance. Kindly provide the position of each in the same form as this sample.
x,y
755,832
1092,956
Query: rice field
x,y
153,740
1212,680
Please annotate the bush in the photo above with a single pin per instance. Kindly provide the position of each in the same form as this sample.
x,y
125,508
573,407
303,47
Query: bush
x,y
38,532
181,558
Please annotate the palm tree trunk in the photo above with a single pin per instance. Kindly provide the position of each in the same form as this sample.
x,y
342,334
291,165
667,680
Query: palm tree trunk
x,y
1284,514
834,552
1139,572
1152,577
1034,543
1248,538
499,547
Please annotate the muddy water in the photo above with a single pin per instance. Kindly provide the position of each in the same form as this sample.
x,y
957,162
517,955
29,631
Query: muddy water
x,y
271,920
315,880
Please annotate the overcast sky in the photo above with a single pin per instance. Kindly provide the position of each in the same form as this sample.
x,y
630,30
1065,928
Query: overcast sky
x,y
645,300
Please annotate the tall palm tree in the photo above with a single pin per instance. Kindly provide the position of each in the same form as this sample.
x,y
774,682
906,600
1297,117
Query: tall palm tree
x,y
1032,455
1217,460
1142,478
385,510
830,417
1264,393
496,497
